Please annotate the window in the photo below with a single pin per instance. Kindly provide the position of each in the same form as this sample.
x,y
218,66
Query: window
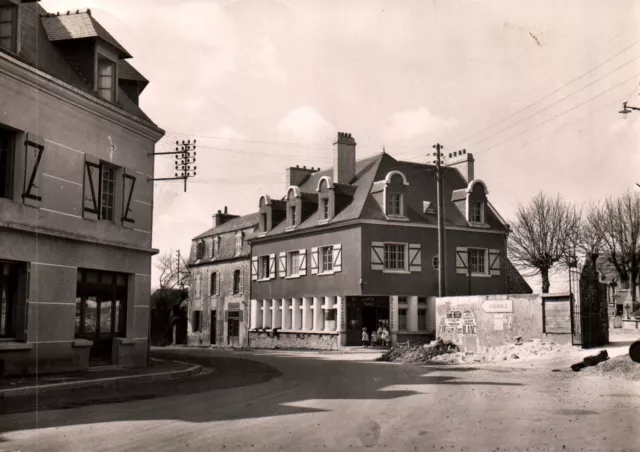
x,y
107,191
394,256
395,204
6,163
402,300
292,211
106,79
477,212
8,21
293,263
239,242
326,264
422,319
263,222
197,321
196,287
8,298
213,284
436,262
264,267
236,281
200,249
477,260
325,209
402,319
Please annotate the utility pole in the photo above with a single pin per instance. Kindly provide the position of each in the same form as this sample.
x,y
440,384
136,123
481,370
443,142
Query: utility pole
x,y
179,279
442,289
185,155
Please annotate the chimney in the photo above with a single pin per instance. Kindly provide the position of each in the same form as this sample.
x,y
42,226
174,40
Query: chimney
x,y
296,176
344,158
464,163
222,217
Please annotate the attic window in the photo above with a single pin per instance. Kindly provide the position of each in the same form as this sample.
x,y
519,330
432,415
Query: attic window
x,y
477,212
8,26
239,242
106,79
292,217
395,204
200,249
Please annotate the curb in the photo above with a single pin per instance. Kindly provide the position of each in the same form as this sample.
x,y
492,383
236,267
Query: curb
x,y
111,381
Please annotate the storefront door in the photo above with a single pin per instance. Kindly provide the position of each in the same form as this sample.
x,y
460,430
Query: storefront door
x,y
233,328
101,300
367,312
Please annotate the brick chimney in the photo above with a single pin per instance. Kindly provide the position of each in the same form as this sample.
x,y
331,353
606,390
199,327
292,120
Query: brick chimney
x,y
464,163
297,175
222,217
344,158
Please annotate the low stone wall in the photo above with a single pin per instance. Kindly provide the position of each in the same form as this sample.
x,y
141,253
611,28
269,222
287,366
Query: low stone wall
x,y
294,340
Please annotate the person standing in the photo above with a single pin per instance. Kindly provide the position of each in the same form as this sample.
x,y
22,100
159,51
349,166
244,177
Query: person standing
x,y
365,337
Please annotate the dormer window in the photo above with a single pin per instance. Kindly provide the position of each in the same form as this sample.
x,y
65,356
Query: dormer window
x,y
325,209
200,249
8,27
266,213
395,204
477,212
326,198
106,79
294,207
292,216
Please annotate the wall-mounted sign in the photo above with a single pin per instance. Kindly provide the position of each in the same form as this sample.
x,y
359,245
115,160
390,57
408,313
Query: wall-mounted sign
x,y
496,306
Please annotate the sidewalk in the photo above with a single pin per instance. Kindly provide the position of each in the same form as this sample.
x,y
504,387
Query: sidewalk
x,y
96,376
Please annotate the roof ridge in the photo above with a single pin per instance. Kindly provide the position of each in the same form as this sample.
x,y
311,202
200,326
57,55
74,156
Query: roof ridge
x,y
68,13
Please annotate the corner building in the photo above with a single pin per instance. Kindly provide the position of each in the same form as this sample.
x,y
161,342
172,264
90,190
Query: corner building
x,y
75,199
355,246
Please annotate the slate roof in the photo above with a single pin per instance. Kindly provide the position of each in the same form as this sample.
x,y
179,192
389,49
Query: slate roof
x,y
39,50
235,224
363,205
78,25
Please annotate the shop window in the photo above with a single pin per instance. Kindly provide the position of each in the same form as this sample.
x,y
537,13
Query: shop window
x,y
402,319
8,298
8,27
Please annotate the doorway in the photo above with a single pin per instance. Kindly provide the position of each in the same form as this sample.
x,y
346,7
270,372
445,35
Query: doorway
x,y
369,312
101,300
214,323
233,328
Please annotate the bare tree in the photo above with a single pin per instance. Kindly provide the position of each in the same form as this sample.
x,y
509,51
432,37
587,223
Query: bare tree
x,y
590,236
543,234
169,277
621,239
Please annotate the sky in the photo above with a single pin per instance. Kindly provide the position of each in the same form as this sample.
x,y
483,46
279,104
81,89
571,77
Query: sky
x,y
532,89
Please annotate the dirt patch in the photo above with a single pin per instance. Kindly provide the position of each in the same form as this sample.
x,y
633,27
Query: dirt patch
x,y
618,367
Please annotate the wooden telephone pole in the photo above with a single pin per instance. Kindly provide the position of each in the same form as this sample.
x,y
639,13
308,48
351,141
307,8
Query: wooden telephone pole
x,y
442,288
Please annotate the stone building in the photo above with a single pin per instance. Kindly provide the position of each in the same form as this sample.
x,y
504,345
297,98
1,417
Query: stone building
x,y
75,200
355,246
219,286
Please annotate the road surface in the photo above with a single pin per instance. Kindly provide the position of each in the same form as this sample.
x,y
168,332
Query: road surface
x,y
314,401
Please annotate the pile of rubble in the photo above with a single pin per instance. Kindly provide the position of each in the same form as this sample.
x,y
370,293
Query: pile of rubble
x,y
618,367
419,353
447,352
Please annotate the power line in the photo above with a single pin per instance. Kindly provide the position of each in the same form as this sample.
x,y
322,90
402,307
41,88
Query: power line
x,y
558,115
551,93
557,101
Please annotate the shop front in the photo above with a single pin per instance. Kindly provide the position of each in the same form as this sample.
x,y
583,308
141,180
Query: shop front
x,y
366,312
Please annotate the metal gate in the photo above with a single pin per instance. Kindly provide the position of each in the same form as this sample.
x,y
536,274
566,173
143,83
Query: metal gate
x,y
589,319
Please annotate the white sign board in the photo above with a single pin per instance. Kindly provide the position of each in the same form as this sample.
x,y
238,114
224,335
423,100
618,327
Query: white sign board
x,y
498,322
496,306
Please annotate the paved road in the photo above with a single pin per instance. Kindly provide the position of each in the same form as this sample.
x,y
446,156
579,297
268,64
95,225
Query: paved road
x,y
310,401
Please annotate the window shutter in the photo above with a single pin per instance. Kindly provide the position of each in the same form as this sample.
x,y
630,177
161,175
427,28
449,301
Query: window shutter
x,y
314,260
282,265
494,262
128,188
272,266
337,257
241,285
415,257
303,262
377,256
461,261
91,196
34,147
254,268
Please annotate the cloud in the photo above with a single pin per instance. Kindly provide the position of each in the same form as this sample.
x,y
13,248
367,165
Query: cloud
x,y
409,124
307,125
263,62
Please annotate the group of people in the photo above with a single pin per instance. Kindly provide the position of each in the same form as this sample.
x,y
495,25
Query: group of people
x,y
379,337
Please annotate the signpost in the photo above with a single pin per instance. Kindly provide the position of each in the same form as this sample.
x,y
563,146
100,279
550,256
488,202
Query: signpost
x,y
497,306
